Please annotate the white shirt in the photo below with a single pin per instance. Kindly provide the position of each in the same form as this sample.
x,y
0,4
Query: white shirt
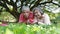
x,y
45,20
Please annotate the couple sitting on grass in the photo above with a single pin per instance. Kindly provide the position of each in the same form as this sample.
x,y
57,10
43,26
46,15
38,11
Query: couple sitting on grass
x,y
36,16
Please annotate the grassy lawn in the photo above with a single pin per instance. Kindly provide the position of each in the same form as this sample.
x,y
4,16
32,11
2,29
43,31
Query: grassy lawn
x,y
15,28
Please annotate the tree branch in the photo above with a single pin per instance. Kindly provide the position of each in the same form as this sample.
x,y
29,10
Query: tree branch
x,y
21,5
4,5
14,12
56,4
36,4
27,2
31,3
16,1
45,3
1,10
49,2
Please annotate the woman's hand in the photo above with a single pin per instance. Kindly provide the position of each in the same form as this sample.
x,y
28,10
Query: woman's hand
x,y
40,23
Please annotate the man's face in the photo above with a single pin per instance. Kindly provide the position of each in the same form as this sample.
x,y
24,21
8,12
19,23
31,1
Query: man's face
x,y
37,13
26,13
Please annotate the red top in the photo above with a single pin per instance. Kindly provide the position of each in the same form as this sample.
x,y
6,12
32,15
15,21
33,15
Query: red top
x,y
23,19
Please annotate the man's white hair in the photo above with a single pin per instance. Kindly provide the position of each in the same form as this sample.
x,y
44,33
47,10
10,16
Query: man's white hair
x,y
25,8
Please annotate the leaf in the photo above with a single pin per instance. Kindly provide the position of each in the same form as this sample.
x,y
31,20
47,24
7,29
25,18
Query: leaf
x,y
8,31
0,22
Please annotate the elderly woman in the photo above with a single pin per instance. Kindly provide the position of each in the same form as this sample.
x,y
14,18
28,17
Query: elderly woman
x,y
40,17
26,16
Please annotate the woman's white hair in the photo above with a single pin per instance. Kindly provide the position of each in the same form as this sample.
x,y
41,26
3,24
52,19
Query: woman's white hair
x,y
25,8
38,8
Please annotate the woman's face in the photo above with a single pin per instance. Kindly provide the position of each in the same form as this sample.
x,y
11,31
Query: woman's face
x,y
37,13
26,13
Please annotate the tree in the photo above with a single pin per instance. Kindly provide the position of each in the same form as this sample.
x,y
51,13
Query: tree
x,y
19,3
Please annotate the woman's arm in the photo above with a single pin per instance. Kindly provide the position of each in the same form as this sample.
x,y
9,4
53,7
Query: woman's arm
x,y
21,18
47,19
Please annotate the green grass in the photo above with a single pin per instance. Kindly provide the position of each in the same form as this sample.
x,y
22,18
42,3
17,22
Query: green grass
x,y
15,28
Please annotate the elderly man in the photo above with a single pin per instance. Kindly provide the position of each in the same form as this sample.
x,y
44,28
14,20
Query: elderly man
x,y
26,16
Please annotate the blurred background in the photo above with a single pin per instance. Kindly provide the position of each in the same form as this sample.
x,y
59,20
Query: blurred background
x,y
11,9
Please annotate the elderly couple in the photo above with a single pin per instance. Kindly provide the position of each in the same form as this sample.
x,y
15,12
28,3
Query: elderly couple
x,y
36,16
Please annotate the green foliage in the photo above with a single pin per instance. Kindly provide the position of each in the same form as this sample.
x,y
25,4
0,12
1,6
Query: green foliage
x,y
7,17
13,28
